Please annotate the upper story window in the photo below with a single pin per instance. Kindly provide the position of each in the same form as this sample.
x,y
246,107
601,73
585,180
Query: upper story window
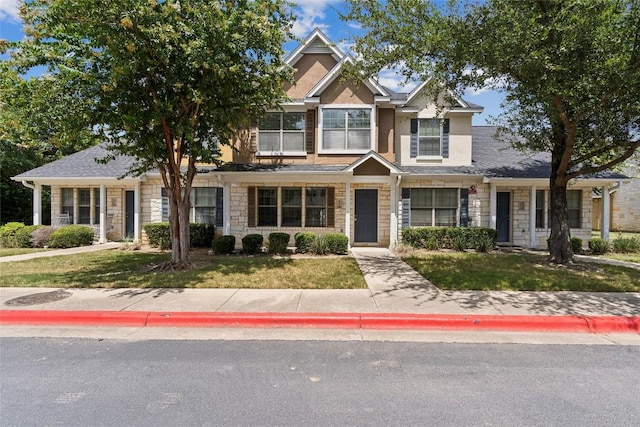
x,y
429,138
347,129
281,133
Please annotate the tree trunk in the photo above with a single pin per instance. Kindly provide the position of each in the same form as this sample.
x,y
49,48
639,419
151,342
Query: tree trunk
x,y
560,239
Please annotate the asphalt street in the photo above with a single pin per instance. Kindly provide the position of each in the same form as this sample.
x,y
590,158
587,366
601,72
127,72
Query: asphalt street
x,y
73,381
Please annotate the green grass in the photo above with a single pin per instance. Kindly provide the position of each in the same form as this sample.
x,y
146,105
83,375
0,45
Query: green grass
x,y
520,272
622,257
126,269
18,251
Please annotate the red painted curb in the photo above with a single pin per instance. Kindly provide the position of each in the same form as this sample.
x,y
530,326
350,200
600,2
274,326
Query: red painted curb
x,y
388,321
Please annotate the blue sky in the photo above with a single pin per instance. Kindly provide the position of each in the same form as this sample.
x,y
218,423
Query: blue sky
x,y
310,14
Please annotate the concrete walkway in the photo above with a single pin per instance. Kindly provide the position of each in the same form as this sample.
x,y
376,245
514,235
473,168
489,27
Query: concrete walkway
x,y
393,287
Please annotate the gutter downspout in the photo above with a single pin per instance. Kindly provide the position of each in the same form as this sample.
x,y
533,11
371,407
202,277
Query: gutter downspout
x,y
395,212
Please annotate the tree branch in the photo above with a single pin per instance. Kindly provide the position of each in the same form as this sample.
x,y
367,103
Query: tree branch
x,y
595,169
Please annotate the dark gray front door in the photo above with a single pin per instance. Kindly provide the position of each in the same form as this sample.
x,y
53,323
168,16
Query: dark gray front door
x,y
129,211
366,216
503,211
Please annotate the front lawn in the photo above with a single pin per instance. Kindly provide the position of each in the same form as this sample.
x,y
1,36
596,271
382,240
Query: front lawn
x,y
519,272
132,269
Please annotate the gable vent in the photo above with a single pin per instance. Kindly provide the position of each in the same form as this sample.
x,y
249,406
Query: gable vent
x,y
318,46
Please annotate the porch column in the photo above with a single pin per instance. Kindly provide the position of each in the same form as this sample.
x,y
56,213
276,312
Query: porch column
x,y
76,208
37,204
605,217
493,206
393,232
532,218
226,208
103,214
136,213
347,212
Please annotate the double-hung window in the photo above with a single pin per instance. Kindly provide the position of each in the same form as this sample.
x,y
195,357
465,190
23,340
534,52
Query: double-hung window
x,y
429,137
540,210
84,206
267,206
67,203
316,207
281,133
346,129
291,206
203,205
434,207
574,207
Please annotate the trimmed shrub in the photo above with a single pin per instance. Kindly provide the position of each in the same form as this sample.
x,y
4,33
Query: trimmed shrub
x,y
460,238
8,234
201,235
24,236
626,244
304,240
278,243
598,246
337,243
71,236
223,245
41,236
252,243
576,245
319,246
158,235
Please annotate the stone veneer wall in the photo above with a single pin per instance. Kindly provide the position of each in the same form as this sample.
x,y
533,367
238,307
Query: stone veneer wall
x,y
625,207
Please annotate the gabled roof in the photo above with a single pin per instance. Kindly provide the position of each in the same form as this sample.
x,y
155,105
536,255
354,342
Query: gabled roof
x,y
316,42
375,156
462,104
330,77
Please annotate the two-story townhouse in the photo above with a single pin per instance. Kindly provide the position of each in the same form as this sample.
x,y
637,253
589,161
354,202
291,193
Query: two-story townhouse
x,y
358,159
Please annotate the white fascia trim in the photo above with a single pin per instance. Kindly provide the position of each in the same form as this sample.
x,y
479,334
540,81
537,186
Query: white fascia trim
x,y
466,111
379,98
75,180
312,100
321,109
281,154
249,178
297,53
544,182
413,176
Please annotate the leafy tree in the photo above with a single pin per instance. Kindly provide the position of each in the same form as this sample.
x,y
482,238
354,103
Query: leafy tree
x,y
163,81
570,70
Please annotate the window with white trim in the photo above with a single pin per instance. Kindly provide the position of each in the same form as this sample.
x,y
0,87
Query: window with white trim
x,y
203,205
429,137
434,207
346,129
540,208
281,133
574,208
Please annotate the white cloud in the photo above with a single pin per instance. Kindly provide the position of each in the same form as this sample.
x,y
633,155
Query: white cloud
x,y
9,10
310,14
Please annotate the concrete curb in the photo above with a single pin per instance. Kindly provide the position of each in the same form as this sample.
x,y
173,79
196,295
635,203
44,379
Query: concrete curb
x,y
384,321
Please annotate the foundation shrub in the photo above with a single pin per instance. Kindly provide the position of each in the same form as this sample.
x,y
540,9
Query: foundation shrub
x,y
158,235
598,246
8,234
71,236
626,244
252,243
576,245
223,245
459,238
319,246
278,243
304,240
337,243
201,235
24,235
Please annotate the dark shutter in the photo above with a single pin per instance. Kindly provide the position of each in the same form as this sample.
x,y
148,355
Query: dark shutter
x,y
251,207
310,131
445,138
464,207
219,207
413,149
406,207
331,207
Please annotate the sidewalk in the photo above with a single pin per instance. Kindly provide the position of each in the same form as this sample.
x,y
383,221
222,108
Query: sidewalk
x,y
397,298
